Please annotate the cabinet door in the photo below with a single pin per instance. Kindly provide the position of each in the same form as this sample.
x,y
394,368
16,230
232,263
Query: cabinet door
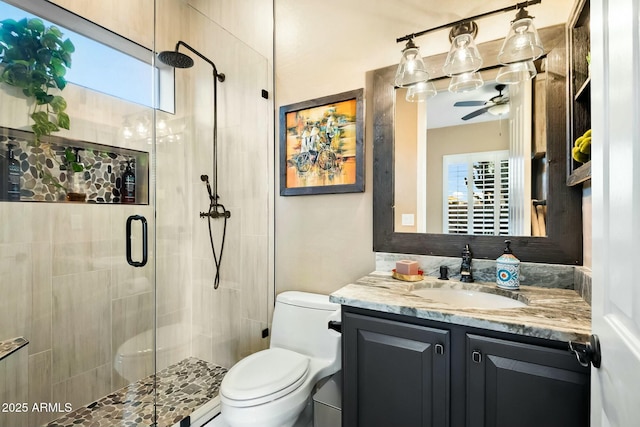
x,y
395,374
514,384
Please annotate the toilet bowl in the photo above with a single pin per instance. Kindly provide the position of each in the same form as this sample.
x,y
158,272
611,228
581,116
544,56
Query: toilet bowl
x,y
272,388
134,358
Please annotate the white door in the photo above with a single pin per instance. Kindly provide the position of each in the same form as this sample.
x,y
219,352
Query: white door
x,y
615,45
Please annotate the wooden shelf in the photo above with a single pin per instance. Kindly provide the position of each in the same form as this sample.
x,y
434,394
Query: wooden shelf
x,y
584,90
579,103
580,175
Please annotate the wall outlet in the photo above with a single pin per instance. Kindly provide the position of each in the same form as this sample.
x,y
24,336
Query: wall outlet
x,y
408,220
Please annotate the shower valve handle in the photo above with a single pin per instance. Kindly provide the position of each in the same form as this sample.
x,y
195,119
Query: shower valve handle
x,y
214,214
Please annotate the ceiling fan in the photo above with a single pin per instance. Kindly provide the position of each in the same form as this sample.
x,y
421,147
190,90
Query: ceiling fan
x,y
497,105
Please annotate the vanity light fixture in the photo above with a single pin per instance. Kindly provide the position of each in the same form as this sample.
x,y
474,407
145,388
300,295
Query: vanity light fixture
x,y
521,46
463,56
516,73
465,82
421,91
522,43
411,69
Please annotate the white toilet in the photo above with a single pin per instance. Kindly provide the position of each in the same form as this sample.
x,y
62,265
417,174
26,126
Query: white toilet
x,y
271,388
134,359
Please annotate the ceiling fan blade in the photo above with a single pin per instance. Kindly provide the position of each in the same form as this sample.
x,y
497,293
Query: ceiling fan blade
x,y
469,104
477,112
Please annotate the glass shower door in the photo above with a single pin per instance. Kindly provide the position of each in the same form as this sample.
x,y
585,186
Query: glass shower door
x,y
204,326
77,285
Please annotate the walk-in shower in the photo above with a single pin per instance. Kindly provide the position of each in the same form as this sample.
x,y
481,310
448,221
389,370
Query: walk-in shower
x,y
177,59
87,338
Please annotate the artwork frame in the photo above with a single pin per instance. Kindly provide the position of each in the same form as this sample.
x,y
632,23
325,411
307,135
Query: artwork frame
x,y
322,145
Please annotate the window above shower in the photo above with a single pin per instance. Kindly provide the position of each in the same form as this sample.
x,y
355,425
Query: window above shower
x,y
106,62
78,108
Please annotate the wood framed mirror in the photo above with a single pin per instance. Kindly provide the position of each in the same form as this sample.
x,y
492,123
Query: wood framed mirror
x,y
563,242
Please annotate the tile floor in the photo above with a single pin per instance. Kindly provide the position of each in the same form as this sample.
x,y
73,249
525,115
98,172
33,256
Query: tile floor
x,y
181,388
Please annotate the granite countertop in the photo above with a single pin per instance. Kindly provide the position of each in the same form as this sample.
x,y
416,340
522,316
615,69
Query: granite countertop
x,y
556,314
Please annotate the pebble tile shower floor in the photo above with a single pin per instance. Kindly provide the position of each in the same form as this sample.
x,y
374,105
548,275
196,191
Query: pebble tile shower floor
x,y
181,388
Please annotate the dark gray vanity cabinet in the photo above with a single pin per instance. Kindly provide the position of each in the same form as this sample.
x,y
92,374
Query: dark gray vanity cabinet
x,y
396,374
516,384
403,371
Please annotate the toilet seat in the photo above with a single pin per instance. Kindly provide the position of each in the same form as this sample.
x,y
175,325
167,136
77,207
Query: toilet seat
x,y
264,376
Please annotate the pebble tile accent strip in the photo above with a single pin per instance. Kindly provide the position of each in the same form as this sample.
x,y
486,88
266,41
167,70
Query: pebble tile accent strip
x,y
181,388
9,346
102,174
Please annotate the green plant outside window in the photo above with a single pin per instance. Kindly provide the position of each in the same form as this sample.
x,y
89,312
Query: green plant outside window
x,y
35,58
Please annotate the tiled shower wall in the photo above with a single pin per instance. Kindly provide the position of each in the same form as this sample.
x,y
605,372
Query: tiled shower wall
x,y
67,288
228,322
65,283
224,324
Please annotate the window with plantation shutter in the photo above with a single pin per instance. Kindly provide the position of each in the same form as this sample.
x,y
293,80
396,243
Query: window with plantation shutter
x,y
476,193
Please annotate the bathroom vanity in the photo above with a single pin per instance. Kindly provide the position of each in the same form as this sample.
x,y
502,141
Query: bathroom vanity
x,y
413,360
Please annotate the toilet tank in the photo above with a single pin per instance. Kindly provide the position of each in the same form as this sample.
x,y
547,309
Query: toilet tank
x,y
300,322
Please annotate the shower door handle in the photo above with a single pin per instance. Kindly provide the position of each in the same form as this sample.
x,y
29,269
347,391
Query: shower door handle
x,y
143,222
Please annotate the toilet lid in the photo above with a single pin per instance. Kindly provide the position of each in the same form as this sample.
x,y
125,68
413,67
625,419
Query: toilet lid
x,y
269,373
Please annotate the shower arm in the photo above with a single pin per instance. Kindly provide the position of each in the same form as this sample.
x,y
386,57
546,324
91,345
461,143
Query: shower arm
x,y
219,76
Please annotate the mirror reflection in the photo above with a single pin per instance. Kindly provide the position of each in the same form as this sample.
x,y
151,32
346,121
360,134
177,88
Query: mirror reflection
x,y
473,162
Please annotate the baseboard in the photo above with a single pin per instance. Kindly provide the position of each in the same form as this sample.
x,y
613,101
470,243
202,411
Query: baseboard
x,y
204,413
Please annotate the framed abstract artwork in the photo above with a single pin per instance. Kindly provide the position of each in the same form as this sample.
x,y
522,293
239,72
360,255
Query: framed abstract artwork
x,y
321,145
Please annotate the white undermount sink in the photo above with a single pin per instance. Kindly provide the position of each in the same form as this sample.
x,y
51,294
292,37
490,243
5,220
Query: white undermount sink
x,y
463,298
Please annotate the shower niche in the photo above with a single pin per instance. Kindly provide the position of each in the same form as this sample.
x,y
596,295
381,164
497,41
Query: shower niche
x,y
58,169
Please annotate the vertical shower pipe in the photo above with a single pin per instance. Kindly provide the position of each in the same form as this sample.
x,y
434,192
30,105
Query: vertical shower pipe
x,y
216,210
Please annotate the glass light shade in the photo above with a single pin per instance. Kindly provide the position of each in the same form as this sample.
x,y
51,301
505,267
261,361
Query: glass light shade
x,y
411,69
465,82
522,43
499,109
463,56
516,73
420,92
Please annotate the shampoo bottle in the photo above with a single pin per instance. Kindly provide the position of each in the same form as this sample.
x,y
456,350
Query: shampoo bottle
x,y
508,269
75,178
13,175
129,184
4,183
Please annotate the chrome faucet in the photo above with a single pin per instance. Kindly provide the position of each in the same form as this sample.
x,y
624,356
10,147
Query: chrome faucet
x,y
465,268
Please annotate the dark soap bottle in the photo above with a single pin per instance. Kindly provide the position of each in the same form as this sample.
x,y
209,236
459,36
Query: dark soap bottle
x,y
4,183
129,184
13,175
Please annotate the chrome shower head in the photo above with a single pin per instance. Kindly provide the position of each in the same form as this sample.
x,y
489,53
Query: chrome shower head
x,y
175,59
